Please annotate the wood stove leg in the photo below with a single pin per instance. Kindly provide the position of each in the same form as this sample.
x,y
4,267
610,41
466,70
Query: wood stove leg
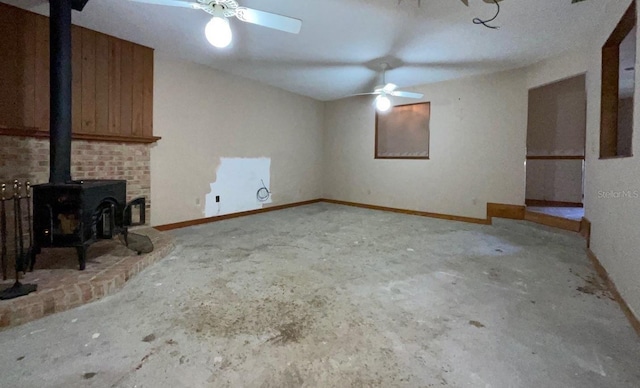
x,y
125,236
82,256
32,260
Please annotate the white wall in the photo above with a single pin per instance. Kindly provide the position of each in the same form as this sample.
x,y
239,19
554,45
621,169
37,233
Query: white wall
x,y
557,68
477,151
554,180
557,118
204,115
615,220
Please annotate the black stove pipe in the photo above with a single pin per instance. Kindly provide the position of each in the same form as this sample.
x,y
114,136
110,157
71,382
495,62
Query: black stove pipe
x,y
60,83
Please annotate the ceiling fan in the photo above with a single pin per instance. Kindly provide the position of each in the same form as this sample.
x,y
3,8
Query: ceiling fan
x,y
386,90
217,31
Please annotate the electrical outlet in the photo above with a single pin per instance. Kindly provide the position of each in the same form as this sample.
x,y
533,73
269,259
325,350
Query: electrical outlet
x,y
197,201
217,198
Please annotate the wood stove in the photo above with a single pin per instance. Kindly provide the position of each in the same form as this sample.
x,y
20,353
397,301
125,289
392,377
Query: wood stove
x,y
70,213
77,214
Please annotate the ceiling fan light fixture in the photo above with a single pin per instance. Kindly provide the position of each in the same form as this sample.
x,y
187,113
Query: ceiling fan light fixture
x,y
218,32
383,103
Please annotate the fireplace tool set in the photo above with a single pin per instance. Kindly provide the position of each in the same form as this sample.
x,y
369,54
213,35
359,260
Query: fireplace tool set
x,y
22,254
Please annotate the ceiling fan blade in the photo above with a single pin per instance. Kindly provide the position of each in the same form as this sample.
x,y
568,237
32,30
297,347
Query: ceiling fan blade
x,y
407,94
364,94
388,88
466,2
268,19
172,3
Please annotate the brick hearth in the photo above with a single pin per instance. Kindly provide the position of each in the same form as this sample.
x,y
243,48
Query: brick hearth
x,y
62,287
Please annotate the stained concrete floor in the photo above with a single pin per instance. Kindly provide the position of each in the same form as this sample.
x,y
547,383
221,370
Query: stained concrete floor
x,y
571,213
332,296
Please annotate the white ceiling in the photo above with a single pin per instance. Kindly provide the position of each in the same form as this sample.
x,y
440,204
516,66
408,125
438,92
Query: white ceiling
x,y
342,42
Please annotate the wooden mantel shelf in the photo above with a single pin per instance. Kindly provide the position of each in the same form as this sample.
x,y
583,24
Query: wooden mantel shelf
x,y
34,132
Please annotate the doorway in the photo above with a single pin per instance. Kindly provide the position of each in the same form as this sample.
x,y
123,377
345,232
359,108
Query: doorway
x,y
556,132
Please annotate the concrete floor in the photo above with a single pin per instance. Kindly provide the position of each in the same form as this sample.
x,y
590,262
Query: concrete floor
x,y
571,213
332,296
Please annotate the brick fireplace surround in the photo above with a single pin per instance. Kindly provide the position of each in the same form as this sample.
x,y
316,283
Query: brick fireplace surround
x,y
27,158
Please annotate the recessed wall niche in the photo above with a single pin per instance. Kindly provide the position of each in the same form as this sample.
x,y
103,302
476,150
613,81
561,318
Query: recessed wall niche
x,y
403,133
618,88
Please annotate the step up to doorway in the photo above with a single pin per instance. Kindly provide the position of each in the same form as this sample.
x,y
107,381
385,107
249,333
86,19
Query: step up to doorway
x,y
553,221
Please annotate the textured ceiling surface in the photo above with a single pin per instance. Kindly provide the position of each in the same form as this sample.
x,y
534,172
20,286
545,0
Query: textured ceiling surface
x,y
342,42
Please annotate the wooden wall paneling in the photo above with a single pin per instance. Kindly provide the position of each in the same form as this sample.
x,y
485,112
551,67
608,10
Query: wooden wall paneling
x,y
112,85
126,90
88,81
9,69
137,86
102,84
28,66
76,80
115,85
42,73
147,119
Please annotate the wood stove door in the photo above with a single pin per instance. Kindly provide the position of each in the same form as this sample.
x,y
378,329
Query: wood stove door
x,y
135,212
58,217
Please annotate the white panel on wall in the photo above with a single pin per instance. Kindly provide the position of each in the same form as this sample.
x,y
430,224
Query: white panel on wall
x,y
238,181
